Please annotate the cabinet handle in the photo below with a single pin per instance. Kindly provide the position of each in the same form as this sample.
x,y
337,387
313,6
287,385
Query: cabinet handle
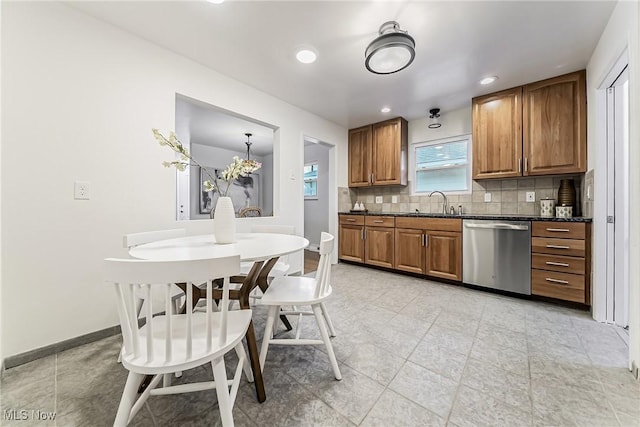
x,y
562,282
426,240
520,165
373,178
526,164
558,247
364,233
564,230
423,239
559,264
351,220
378,221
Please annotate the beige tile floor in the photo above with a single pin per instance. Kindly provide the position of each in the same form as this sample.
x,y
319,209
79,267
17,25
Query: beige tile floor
x,y
412,353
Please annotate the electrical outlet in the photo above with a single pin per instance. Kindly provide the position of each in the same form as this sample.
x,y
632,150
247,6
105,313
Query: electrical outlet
x,y
394,199
487,197
531,196
82,190
378,199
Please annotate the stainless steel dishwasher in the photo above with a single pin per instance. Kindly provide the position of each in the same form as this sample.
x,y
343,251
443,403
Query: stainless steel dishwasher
x,y
497,254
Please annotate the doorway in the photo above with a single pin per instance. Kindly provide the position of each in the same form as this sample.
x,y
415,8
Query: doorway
x,y
318,194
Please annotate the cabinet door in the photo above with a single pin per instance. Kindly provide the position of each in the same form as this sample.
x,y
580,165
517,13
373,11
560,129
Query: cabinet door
x,y
497,134
351,246
379,246
444,255
388,149
554,125
410,250
360,157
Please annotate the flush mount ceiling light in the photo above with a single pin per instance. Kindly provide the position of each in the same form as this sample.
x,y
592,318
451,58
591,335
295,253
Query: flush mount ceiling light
x,y
306,56
216,1
434,113
385,109
393,50
488,80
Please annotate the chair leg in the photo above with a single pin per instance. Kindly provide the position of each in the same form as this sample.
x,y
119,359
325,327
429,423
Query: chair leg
x,y
128,399
242,355
327,341
268,329
332,330
222,390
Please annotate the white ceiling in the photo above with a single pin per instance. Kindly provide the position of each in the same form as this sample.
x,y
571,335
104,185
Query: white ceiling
x,y
457,43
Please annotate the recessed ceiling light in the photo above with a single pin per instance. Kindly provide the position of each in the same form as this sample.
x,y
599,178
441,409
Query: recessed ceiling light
x,y
385,109
216,1
488,80
306,56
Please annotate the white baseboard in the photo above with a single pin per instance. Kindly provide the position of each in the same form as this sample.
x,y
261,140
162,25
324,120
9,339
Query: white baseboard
x,y
313,247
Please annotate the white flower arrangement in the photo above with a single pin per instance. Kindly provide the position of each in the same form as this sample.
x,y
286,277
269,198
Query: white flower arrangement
x,y
239,167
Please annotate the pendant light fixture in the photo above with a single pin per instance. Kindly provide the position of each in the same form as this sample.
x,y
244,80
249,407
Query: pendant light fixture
x,y
434,114
393,50
248,135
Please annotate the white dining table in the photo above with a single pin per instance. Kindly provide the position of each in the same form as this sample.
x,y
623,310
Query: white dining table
x,y
254,247
250,247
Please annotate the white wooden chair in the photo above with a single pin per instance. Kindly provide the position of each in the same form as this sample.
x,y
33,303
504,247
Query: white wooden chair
x,y
298,291
136,239
168,343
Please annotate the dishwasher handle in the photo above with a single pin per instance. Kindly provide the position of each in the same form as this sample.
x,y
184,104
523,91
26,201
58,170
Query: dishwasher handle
x,y
498,226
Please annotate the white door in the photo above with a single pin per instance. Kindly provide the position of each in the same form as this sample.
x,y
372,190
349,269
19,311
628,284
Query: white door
x,y
618,200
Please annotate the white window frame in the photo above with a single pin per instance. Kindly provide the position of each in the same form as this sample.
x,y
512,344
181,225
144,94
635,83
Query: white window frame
x,y
311,163
413,158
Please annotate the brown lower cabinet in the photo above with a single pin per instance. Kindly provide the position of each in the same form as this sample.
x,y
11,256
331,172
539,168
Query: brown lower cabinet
x,y
429,246
561,261
367,239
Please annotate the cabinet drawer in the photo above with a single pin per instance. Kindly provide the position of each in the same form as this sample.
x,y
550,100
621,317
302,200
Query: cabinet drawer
x,y
562,264
569,287
569,247
560,230
352,219
380,221
436,224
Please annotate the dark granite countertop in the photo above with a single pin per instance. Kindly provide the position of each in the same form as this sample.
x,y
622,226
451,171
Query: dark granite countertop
x,y
472,216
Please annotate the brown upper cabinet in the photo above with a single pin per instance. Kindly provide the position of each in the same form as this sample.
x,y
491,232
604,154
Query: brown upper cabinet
x,y
378,154
536,129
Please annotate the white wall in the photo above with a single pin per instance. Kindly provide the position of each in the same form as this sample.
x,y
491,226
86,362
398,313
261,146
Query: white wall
x,y
620,32
79,100
316,211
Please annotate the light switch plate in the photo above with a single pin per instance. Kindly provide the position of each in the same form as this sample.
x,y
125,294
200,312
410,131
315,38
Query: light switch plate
x,y
394,199
531,196
487,197
378,199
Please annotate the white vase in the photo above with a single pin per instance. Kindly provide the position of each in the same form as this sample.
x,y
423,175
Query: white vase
x,y
224,221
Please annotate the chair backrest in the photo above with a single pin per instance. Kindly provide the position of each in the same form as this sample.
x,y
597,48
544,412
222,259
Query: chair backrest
x,y
136,239
323,274
280,229
169,337
251,211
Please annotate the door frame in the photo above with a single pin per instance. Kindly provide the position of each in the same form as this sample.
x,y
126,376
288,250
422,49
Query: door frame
x,y
332,188
603,296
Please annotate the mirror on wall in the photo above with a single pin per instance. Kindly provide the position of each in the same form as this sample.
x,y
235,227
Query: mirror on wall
x,y
214,136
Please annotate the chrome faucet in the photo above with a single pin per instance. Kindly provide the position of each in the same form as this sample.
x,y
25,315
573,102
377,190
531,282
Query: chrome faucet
x,y
444,203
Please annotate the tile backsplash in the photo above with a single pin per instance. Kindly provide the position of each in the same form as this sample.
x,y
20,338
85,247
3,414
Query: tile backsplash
x,y
508,196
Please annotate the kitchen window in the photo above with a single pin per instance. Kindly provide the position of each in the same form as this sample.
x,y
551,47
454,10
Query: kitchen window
x,y
443,165
311,180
